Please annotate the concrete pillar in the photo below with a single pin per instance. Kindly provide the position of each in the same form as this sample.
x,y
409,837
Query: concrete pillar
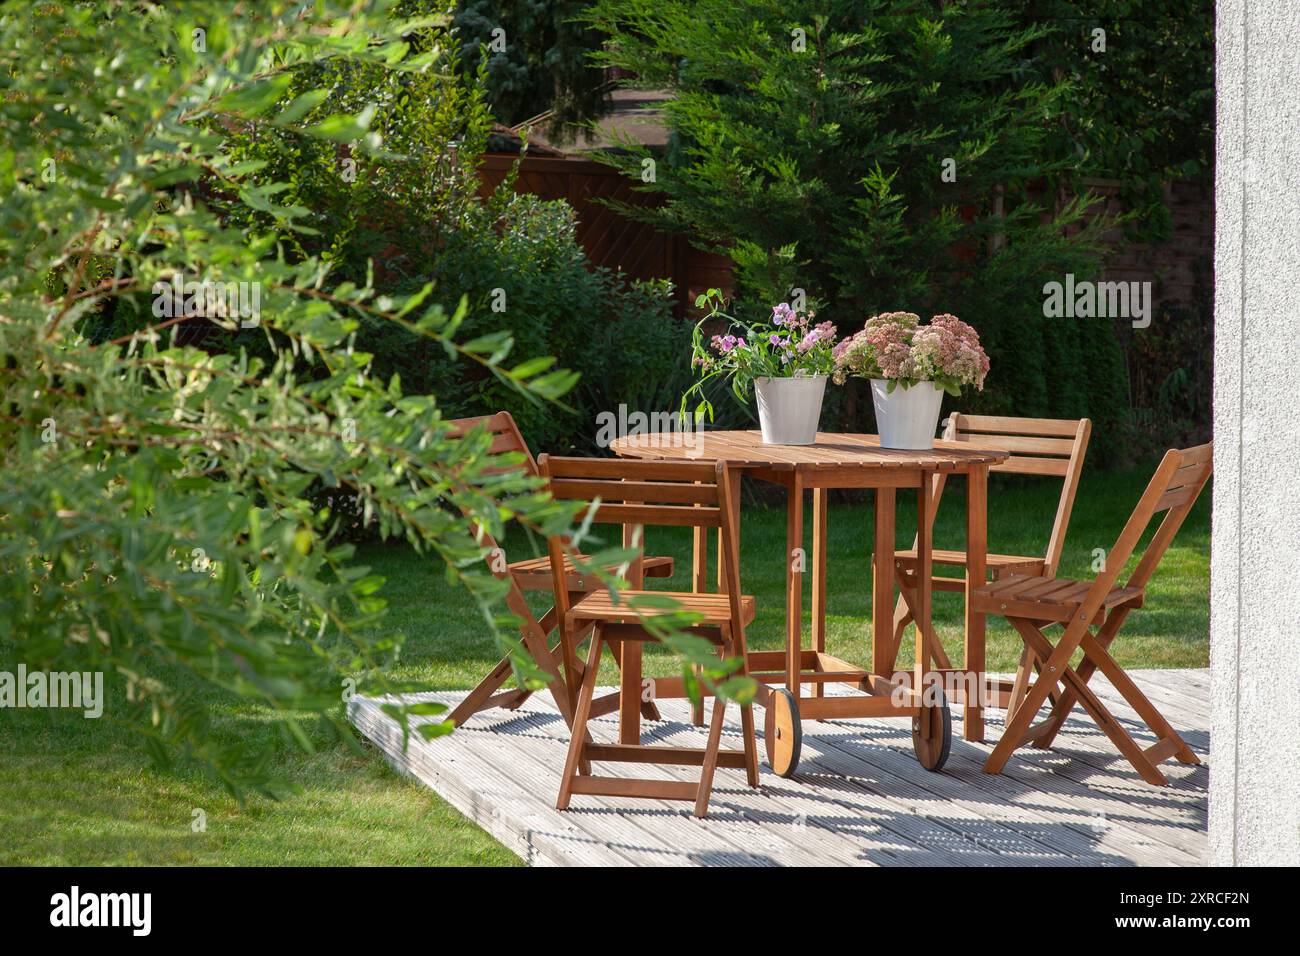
x,y
1255,566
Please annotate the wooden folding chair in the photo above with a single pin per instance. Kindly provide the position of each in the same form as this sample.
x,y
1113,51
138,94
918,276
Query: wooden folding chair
x,y
1032,603
1049,447
636,494
533,574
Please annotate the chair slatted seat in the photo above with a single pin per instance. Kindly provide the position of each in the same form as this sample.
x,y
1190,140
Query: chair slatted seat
x,y
534,574
999,562
1032,604
637,494
1047,447
1049,599
715,609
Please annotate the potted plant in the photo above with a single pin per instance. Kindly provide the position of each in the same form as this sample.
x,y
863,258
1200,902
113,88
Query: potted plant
x,y
910,367
785,361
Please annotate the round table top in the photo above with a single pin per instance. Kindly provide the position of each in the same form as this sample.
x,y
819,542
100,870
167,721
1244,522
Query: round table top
x,y
832,450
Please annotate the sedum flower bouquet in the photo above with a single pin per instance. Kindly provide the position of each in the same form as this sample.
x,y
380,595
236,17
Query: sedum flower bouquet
x,y
910,367
784,361
894,346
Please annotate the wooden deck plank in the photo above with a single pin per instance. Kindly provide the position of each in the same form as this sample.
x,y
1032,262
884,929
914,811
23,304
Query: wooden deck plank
x,y
524,789
858,798
743,843
1059,809
490,798
756,820
802,814
1177,704
1053,808
962,786
801,822
885,769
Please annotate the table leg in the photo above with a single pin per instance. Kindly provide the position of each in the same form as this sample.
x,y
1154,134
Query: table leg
x,y
629,661
700,584
722,575
629,687
733,489
733,493
819,579
700,561
976,562
734,478
924,584
794,563
882,598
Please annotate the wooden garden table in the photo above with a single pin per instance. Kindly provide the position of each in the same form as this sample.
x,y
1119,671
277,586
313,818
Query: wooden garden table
x,y
846,461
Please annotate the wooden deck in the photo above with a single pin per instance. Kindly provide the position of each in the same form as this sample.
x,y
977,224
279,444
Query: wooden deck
x,y
859,797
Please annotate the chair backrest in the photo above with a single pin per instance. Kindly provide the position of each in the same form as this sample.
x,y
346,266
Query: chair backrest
x,y
637,493
1173,489
506,438
1052,447
505,434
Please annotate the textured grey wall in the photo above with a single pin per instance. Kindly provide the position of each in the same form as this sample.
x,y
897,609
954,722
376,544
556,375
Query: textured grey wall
x,y
1255,567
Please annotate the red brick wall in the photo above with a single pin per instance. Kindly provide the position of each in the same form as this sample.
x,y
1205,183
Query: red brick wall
x,y
608,239
1169,265
643,253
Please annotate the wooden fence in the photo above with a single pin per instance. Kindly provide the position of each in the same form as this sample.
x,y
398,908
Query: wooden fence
x,y
642,252
611,240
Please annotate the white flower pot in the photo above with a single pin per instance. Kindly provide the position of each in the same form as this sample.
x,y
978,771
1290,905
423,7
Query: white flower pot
x,y
907,417
789,408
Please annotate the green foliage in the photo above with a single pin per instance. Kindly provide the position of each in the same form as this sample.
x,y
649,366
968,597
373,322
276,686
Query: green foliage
x,y
652,371
517,261
412,212
1142,108
1172,371
157,522
810,143
787,344
66,799
538,61
383,197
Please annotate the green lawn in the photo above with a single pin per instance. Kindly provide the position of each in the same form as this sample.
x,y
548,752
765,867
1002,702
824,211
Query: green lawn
x,y
82,792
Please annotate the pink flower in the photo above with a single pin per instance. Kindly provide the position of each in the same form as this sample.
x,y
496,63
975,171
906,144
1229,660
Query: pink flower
x,y
894,345
823,332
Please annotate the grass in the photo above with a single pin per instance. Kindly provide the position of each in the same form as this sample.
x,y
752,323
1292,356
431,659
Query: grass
x,y
77,792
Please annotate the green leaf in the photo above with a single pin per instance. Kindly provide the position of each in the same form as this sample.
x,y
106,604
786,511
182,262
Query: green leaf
x,y
301,106
432,731
255,98
428,708
186,172
343,128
